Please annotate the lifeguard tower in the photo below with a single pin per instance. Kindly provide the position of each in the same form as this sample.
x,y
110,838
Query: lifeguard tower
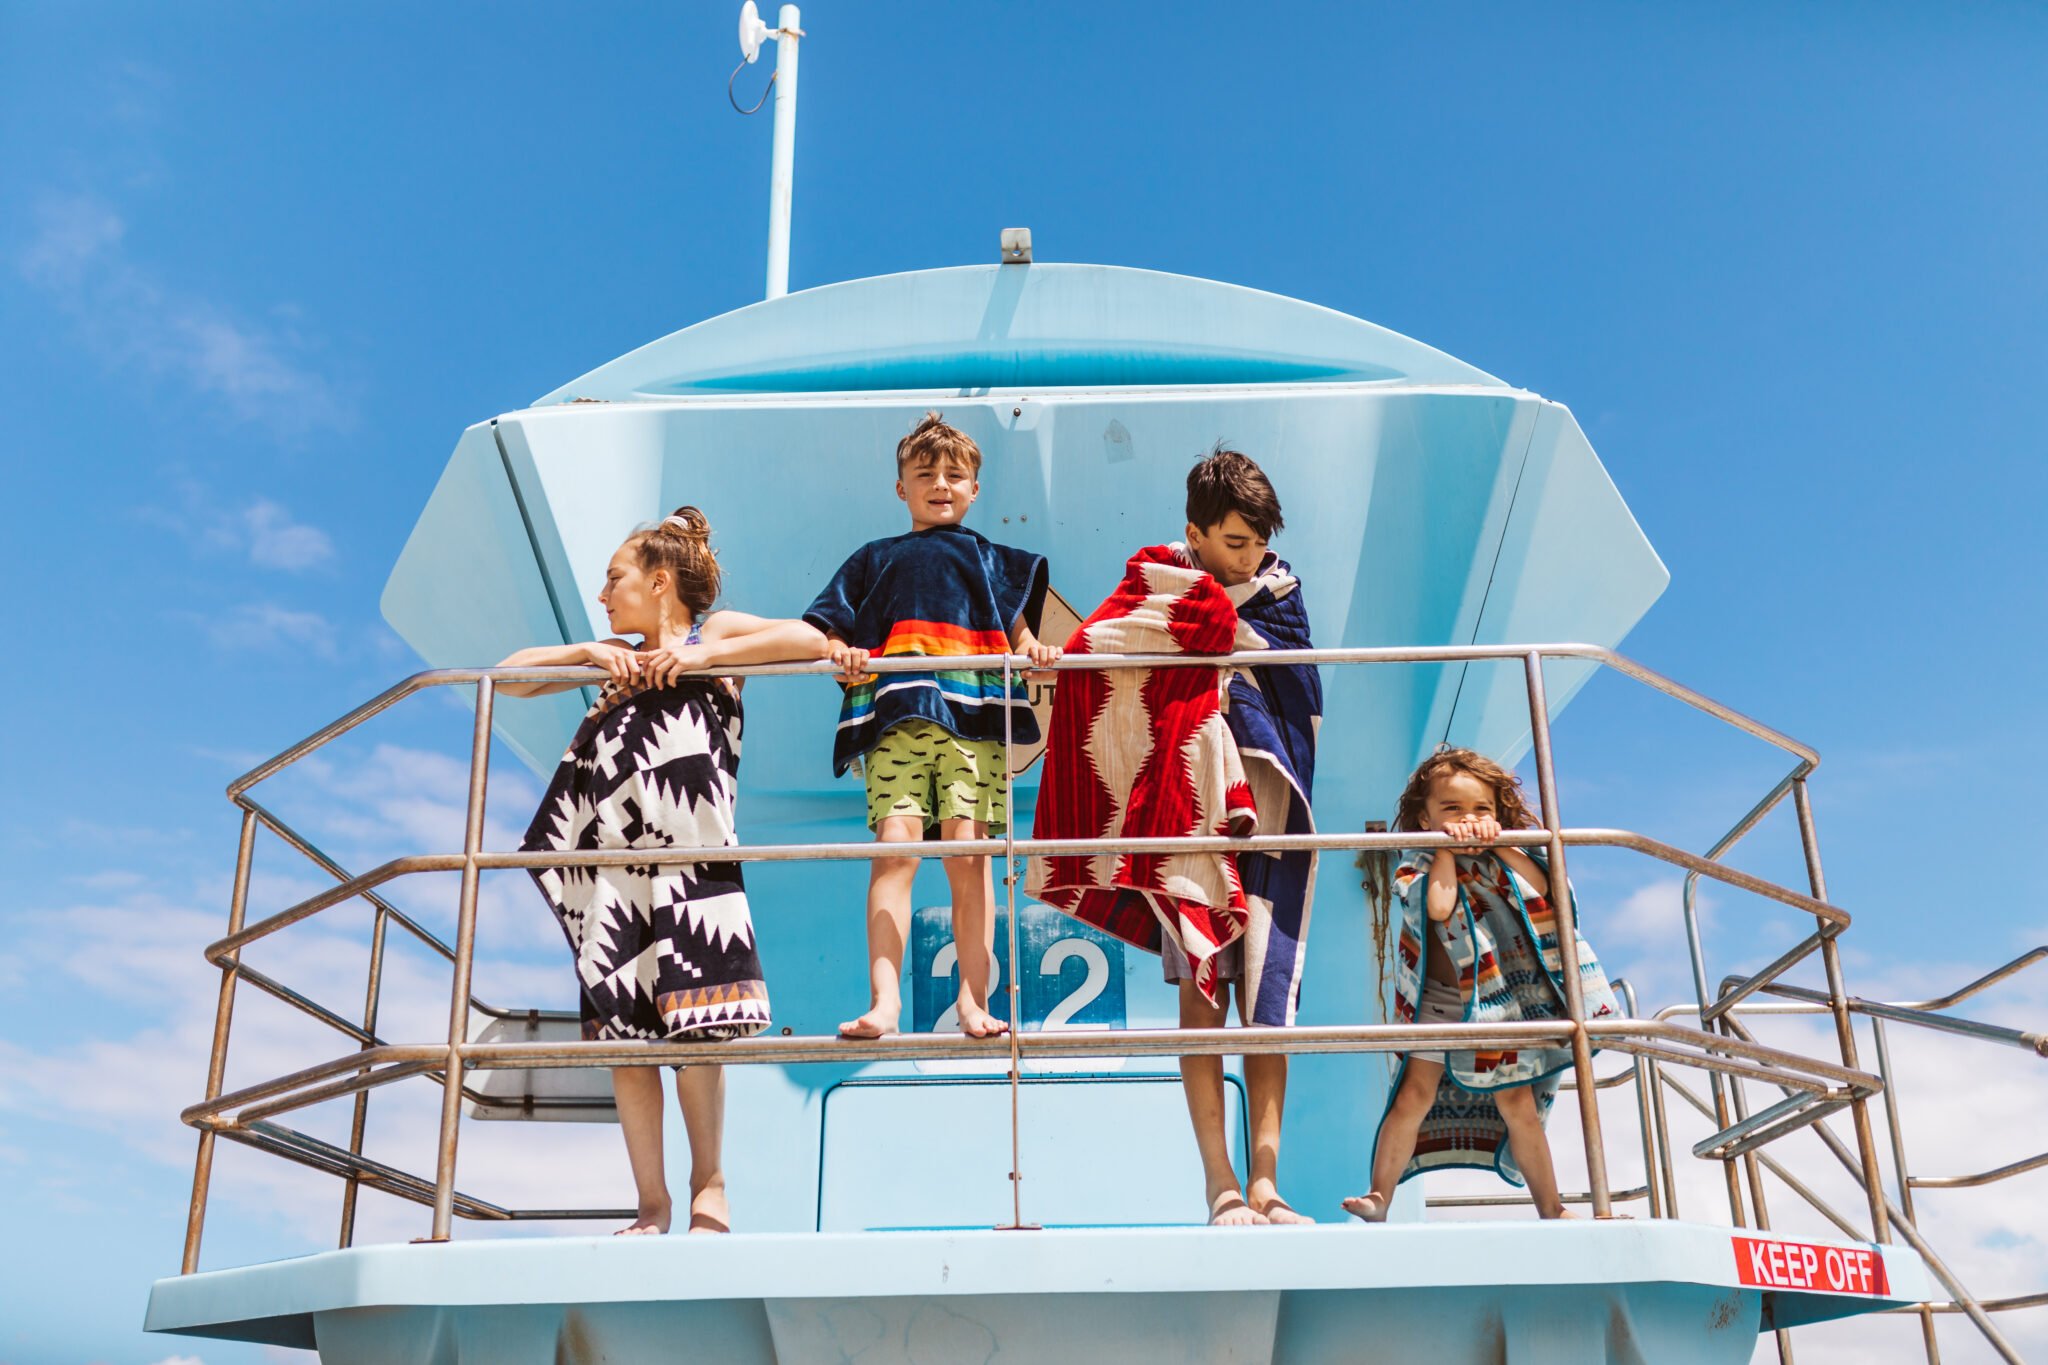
x,y
1468,566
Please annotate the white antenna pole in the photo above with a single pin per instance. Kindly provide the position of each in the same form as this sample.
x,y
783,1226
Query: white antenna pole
x,y
783,174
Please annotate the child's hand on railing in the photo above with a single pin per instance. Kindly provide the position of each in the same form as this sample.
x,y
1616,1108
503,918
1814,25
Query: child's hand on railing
x,y
623,664
670,662
1477,828
852,663
1043,656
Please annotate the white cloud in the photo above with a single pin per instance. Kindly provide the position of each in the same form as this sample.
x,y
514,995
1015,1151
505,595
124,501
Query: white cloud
x,y
72,232
138,957
413,800
268,626
134,321
278,542
112,879
130,958
262,528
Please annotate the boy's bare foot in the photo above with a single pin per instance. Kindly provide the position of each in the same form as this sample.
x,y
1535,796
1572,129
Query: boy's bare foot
x,y
652,1222
878,1022
977,1022
1266,1200
1562,1213
1227,1209
708,1210
1369,1208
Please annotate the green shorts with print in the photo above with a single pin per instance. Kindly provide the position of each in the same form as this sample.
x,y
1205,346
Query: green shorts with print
x,y
921,768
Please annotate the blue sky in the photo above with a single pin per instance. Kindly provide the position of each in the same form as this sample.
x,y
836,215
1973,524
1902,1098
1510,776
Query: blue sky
x,y
259,265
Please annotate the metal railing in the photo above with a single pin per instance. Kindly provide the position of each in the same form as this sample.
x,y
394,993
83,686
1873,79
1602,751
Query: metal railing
x,y
1900,1212
1721,1047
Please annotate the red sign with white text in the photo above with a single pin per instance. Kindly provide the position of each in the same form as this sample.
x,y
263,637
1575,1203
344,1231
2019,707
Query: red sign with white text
x,y
1803,1265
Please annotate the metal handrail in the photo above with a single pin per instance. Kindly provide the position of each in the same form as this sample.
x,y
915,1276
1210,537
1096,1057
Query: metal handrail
x,y
1971,1182
1733,1004
1821,1080
1897,1217
375,1063
1919,1016
1421,654
221,949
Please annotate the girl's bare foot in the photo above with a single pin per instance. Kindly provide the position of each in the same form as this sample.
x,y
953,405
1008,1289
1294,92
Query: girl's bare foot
x,y
652,1222
708,1210
1227,1209
1369,1208
977,1022
878,1022
1564,1213
1266,1200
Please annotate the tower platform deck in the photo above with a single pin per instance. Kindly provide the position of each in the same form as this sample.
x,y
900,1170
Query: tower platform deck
x,y
1529,1293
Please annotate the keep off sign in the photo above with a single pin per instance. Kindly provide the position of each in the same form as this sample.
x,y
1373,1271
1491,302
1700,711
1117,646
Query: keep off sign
x,y
1799,1265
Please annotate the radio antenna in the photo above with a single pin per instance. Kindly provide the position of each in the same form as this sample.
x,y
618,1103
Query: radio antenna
x,y
782,172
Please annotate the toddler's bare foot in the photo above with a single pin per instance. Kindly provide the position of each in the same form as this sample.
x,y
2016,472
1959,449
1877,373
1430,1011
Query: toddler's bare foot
x,y
652,1222
1227,1209
1369,1207
708,1210
1265,1199
977,1022
878,1022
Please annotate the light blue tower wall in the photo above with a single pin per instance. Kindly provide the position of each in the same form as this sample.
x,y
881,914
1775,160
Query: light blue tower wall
x,y
1426,503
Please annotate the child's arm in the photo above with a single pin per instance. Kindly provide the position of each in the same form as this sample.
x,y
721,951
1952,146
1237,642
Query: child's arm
x,y
1443,885
1482,827
836,613
733,637
1530,872
616,657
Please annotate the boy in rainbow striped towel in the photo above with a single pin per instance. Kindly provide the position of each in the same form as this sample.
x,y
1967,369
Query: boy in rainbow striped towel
x,y
930,745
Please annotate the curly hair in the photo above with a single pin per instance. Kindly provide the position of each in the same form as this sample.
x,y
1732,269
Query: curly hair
x,y
1508,806
681,543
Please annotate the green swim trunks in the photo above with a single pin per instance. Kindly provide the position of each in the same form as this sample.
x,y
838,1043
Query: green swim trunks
x,y
921,768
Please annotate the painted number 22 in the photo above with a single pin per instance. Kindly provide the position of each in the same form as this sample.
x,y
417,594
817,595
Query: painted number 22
x,y
946,963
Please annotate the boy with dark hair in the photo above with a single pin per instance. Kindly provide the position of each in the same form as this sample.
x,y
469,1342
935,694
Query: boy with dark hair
x,y
931,744
1273,715
1213,919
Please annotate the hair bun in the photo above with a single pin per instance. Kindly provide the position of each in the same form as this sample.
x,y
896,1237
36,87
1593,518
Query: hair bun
x,y
688,522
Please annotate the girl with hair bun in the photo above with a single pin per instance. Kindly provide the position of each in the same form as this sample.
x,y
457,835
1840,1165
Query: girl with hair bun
x,y
662,953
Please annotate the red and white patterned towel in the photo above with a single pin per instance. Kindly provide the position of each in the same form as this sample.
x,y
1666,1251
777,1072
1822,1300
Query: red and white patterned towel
x,y
1144,753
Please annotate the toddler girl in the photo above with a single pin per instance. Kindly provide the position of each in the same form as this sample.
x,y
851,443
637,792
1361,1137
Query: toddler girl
x,y
1478,944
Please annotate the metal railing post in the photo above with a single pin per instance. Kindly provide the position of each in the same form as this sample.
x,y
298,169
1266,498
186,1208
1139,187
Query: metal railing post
x,y
1665,1170
1845,1032
1016,982
359,1120
217,1061
1689,904
1567,940
1645,1078
465,951
1898,1137
1756,1199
